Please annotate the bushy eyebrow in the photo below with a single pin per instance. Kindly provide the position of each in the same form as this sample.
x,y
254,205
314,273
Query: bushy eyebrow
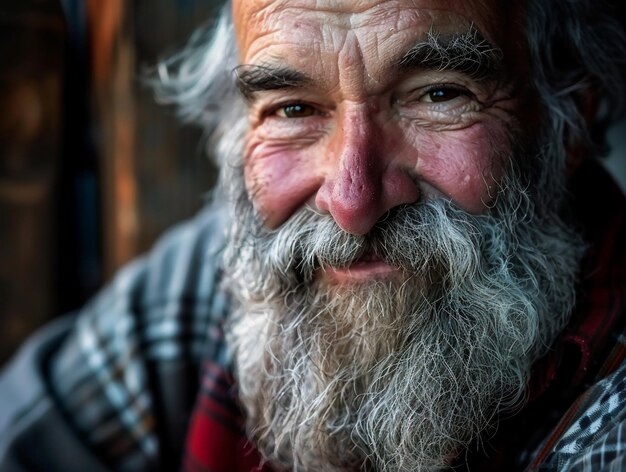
x,y
468,53
255,78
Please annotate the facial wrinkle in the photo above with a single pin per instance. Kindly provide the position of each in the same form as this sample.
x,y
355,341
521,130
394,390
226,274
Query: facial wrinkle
x,y
351,65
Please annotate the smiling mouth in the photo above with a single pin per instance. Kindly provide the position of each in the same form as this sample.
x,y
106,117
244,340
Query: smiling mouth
x,y
367,267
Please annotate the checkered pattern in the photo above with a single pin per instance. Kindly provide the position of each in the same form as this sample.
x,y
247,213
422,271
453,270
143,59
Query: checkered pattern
x,y
596,440
142,337
216,441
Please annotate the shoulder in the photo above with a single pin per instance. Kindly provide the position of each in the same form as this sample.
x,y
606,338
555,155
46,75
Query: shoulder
x,y
123,371
158,307
596,439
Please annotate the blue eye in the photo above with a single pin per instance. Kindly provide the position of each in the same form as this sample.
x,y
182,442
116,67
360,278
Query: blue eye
x,y
297,110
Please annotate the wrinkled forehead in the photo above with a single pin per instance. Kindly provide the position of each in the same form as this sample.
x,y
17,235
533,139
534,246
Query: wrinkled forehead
x,y
297,21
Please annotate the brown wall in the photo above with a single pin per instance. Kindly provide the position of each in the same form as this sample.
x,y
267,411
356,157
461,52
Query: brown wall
x,y
32,39
91,169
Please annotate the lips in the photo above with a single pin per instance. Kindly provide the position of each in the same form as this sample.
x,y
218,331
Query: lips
x,y
368,266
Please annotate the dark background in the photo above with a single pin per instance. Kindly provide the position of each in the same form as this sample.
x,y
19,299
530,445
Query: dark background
x,y
91,169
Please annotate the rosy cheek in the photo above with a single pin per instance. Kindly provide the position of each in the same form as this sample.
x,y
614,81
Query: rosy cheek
x,y
463,165
279,180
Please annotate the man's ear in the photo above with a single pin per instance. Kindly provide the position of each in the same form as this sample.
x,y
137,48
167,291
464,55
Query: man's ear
x,y
577,149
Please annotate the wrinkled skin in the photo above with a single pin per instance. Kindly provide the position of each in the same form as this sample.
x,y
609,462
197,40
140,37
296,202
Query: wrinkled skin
x,y
367,135
359,339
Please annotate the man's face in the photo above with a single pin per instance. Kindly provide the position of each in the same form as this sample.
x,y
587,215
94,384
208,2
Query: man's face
x,y
353,113
393,278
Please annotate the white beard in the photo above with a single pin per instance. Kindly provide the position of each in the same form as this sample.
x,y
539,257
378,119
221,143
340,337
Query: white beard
x,y
396,375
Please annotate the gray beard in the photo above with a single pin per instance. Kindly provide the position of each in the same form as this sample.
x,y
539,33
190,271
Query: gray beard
x,y
401,374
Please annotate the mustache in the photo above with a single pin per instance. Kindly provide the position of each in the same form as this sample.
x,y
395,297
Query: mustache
x,y
414,238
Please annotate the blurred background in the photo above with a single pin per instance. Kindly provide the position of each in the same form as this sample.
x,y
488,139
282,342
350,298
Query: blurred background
x,y
91,169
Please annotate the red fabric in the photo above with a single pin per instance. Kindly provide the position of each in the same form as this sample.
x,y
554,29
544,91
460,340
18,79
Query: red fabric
x,y
216,441
601,295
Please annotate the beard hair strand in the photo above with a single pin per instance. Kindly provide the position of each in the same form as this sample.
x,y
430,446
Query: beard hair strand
x,y
399,374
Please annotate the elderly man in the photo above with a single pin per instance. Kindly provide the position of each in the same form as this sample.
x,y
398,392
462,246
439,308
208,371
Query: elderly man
x,y
412,263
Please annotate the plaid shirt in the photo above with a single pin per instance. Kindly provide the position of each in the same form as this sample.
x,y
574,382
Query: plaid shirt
x,y
139,379
125,371
129,374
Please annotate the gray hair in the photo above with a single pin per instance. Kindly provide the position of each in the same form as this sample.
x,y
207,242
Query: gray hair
x,y
578,53
199,81
575,47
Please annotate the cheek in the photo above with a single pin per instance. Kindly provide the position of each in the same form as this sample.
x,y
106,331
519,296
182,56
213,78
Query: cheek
x,y
279,180
464,165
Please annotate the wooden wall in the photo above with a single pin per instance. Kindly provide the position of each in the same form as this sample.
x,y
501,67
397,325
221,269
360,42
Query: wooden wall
x,y
91,169
32,37
154,171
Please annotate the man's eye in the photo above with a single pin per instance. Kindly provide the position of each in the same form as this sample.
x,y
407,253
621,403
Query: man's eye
x,y
297,110
440,95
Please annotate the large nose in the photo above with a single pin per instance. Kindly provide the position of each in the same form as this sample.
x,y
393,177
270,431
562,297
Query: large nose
x,y
366,176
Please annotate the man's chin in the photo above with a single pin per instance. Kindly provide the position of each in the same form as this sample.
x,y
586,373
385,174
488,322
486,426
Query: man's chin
x,y
359,371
